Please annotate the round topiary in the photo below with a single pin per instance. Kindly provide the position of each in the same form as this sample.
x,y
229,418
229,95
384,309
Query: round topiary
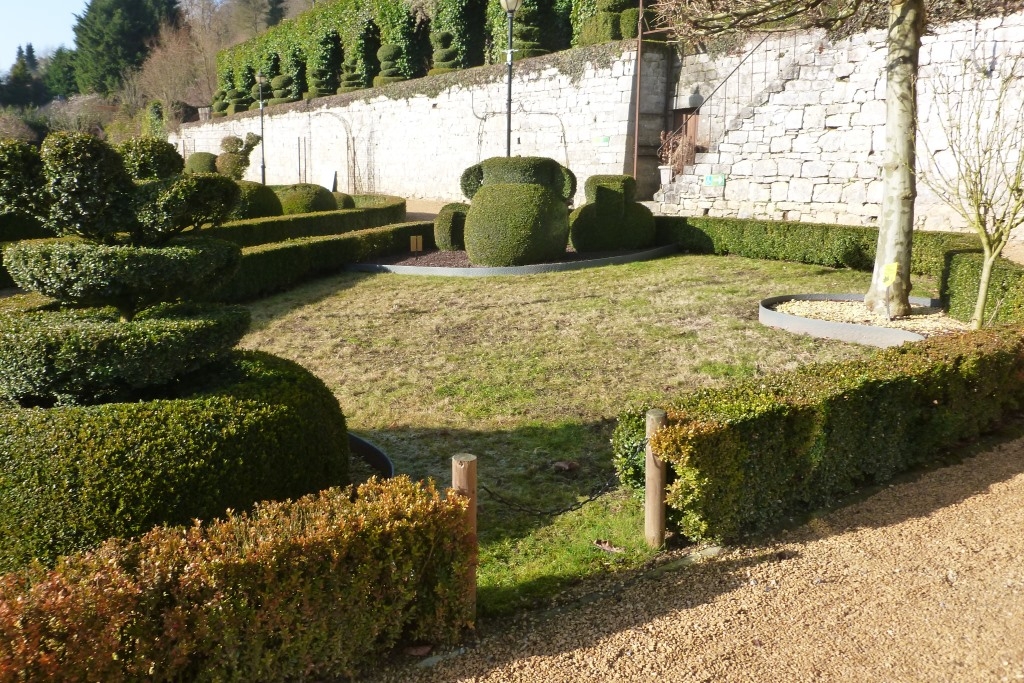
x,y
232,143
449,227
305,198
126,277
90,191
201,162
149,157
345,201
255,201
389,52
21,180
281,82
515,225
471,180
79,356
256,428
166,207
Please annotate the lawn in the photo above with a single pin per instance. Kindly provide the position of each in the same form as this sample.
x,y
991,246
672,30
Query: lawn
x,y
528,373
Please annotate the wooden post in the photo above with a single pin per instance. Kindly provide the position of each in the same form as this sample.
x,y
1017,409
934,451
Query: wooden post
x,y
654,488
464,483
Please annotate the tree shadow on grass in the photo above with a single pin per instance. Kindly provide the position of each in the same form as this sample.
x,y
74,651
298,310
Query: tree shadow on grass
x,y
279,304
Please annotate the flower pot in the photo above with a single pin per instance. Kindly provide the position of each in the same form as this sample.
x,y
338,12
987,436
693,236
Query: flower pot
x,y
666,174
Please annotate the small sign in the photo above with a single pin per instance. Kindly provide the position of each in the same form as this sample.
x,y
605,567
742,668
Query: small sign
x,y
716,180
889,273
416,243
602,141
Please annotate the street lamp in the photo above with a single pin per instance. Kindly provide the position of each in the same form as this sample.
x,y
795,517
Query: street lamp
x,y
260,80
510,7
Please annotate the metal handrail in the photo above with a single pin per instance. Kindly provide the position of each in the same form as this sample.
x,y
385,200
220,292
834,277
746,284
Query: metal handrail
x,y
677,133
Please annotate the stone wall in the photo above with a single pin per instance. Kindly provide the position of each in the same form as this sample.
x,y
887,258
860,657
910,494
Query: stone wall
x,y
808,145
414,139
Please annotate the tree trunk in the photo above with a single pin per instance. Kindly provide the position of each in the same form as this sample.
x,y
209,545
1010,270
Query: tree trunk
x,y
896,223
978,319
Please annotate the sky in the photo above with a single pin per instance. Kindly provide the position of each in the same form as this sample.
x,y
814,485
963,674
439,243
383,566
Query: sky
x,y
47,24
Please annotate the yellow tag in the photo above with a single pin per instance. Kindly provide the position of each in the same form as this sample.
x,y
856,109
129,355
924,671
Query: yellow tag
x,y
416,243
889,273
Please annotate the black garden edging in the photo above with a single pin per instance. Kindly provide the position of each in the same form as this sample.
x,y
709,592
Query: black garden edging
x,y
860,334
372,454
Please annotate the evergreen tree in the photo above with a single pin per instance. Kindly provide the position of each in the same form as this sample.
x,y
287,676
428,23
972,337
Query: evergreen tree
x,y
275,12
19,55
58,73
22,88
30,58
112,36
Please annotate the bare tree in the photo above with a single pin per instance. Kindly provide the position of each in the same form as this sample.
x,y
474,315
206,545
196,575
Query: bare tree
x,y
171,70
977,166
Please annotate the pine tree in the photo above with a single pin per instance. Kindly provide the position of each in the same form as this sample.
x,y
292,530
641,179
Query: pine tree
x,y
58,73
112,36
30,58
275,12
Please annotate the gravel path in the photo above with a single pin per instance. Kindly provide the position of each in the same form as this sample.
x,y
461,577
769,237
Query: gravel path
x,y
922,581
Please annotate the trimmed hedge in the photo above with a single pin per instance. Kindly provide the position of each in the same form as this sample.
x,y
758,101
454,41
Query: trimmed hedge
x,y
371,211
81,356
129,278
450,226
201,162
314,589
304,198
744,457
526,170
254,428
270,268
950,257
147,158
345,201
514,225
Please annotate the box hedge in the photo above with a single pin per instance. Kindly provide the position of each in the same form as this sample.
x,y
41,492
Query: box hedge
x,y
953,258
611,219
316,589
254,428
270,268
304,198
515,224
450,226
743,457
371,211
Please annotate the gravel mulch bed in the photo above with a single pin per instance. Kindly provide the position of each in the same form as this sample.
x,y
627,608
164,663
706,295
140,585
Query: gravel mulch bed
x,y
923,320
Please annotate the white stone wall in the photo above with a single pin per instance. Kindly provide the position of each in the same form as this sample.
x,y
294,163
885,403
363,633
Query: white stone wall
x,y
812,151
417,146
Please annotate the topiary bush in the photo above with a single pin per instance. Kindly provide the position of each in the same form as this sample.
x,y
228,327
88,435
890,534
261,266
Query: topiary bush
x,y
536,170
515,225
445,57
345,201
450,226
21,181
255,200
167,207
147,158
252,428
600,28
89,189
201,162
611,219
390,56
234,159
77,356
127,277
304,198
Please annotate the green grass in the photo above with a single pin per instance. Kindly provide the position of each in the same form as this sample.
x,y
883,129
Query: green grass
x,y
525,372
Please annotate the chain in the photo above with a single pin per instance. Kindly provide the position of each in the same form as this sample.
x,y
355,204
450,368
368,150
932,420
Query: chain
x,y
597,493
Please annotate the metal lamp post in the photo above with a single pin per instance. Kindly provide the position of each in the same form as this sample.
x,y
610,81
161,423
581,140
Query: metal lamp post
x,y
260,79
510,7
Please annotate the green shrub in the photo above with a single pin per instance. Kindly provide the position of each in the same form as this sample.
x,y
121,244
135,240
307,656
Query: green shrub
x,y
449,227
254,428
234,159
471,180
85,356
611,220
600,28
304,198
615,6
282,82
146,158
22,195
345,201
270,268
745,456
312,589
515,224
629,22
129,278
372,211
164,208
1006,288
255,201
201,162
90,190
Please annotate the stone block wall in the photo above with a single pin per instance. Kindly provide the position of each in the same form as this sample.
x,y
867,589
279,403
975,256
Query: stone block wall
x,y
810,148
414,138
